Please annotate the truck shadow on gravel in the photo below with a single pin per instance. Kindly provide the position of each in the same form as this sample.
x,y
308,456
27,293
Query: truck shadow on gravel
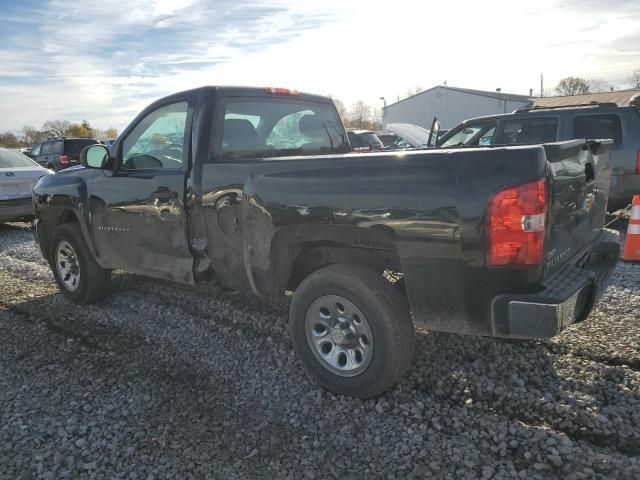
x,y
526,382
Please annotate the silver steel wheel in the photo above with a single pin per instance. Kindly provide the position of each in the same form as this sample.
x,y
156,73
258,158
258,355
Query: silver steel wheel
x,y
68,266
339,335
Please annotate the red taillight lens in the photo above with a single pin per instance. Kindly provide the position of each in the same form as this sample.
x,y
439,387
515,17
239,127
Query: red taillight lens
x,y
516,225
638,162
281,91
64,159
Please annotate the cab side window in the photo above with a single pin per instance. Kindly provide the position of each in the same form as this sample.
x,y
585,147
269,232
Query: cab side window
x,y
528,131
36,150
46,148
598,126
57,147
158,141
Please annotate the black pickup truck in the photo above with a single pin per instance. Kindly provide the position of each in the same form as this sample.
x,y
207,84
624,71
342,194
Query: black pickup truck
x,y
256,189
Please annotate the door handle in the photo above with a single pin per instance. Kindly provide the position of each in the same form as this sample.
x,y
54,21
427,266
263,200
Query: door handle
x,y
163,194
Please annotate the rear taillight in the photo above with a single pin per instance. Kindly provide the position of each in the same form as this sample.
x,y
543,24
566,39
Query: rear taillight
x,y
64,159
516,220
638,162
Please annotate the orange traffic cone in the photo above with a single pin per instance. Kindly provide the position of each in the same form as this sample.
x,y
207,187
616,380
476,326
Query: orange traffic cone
x,y
632,242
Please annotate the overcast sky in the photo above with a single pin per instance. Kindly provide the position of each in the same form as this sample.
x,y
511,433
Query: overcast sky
x,y
105,60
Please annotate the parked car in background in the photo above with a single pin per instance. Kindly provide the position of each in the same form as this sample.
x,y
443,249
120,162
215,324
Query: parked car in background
x,y
364,141
18,175
388,139
59,153
257,192
409,135
540,125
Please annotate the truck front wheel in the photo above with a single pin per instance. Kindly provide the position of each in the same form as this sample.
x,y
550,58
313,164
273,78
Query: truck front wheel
x,y
76,272
352,330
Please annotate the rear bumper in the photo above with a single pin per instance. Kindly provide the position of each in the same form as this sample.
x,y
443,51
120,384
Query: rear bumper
x,y
567,298
16,209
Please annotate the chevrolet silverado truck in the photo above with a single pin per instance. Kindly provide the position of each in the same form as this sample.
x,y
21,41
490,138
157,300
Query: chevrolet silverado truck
x,y
256,189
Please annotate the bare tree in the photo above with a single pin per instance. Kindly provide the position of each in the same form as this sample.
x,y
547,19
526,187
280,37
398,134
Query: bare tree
x,y
9,139
360,114
597,85
376,119
55,128
32,135
634,79
342,110
572,86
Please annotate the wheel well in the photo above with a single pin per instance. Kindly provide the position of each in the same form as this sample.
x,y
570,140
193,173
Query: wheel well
x,y
50,220
311,257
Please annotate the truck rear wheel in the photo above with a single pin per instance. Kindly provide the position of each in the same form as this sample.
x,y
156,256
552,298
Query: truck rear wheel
x,y
352,330
77,274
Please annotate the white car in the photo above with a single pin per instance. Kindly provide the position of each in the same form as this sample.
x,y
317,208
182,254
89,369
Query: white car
x,y
18,175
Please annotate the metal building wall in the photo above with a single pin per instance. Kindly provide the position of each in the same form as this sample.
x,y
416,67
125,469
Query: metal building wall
x,y
450,106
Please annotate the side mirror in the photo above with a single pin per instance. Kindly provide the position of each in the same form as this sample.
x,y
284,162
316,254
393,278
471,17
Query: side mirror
x,y
433,133
94,156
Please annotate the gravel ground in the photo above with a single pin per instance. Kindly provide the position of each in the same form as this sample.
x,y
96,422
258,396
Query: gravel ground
x,y
166,381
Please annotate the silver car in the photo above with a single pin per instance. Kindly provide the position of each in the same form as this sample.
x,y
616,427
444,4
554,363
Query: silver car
x,y
18,175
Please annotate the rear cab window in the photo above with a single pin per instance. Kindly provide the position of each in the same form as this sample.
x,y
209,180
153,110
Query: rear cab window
x,y
255,128
598,126
528,131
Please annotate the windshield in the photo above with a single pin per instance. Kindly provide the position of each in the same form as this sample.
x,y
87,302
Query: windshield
x,y
474,134
12,159
414,135
274,127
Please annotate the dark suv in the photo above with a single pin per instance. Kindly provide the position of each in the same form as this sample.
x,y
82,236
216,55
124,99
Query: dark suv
x,y
543,125
364,141
59,153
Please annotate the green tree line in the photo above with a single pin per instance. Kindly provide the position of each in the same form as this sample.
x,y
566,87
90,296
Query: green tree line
x,y
29,135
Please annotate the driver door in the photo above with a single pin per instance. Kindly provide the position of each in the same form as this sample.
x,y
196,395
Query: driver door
x,y
138,212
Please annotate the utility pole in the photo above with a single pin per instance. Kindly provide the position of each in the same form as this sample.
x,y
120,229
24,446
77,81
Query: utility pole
x,y
541,86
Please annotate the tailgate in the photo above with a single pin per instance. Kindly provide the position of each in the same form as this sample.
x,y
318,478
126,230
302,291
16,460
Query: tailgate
x,y
579,178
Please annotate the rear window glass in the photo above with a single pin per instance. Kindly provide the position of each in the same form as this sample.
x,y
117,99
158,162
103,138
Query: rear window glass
x,y
528,131
74,147
275,127
597,126
11,159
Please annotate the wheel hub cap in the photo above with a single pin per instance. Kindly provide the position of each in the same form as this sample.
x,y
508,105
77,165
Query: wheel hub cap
x,y
68,266
339,335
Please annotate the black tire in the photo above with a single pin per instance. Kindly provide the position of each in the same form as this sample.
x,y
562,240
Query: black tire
x,y
94,281
387,315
